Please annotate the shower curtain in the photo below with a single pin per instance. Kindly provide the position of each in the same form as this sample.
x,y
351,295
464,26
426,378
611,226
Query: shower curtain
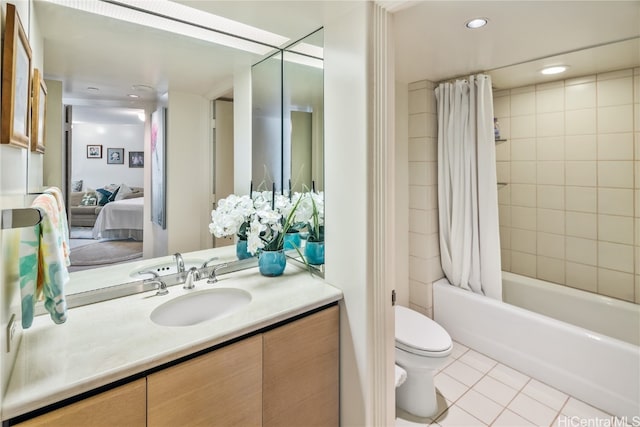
x,y
467,186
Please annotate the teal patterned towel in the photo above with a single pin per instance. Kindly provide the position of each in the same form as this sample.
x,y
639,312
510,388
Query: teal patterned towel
x,y
44,247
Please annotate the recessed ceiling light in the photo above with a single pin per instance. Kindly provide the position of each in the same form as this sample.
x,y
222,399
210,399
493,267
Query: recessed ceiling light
x,y
554,70
142,88
93,89
476,23
133,95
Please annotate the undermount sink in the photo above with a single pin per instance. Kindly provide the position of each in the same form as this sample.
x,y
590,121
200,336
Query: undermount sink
x,y
165,268
200,306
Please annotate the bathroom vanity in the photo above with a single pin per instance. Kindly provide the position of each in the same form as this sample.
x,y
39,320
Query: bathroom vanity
x,y
273,362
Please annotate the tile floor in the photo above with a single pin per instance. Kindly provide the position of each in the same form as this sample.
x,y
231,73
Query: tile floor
x,y
475,390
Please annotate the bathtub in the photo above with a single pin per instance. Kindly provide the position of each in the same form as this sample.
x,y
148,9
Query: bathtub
x,y
599,369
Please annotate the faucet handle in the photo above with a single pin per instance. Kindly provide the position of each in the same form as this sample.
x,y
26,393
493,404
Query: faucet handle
x,y
206,263
212,276
192,275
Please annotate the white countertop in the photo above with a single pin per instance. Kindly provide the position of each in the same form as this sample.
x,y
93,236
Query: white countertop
x,y
102,343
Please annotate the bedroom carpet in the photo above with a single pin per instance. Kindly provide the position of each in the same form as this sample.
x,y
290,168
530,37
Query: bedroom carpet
x,y
106,252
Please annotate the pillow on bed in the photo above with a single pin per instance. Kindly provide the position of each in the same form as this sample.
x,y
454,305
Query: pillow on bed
x,y
89,199
113,195
123,191
76,186
103,196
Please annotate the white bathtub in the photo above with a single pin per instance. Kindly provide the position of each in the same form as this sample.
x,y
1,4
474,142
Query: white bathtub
x,y
593,367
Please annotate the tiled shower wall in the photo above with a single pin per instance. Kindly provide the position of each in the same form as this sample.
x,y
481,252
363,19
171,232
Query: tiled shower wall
x,y
570,213
424,250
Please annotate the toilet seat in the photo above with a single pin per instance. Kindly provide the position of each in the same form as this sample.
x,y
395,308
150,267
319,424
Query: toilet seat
x,y
417,334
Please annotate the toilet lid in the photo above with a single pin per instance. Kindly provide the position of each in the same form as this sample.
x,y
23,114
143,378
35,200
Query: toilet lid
x,y
418,332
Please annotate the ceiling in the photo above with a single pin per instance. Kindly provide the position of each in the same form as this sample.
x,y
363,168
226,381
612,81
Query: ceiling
x,y
86,50
432,42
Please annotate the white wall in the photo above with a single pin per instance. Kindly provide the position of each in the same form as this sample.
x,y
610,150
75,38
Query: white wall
x,y
402,156
346,206
97,173
188,183
242,131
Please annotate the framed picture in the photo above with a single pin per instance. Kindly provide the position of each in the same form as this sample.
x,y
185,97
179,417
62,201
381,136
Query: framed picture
x,y
94,151
38,112
136,159
115,156
16,83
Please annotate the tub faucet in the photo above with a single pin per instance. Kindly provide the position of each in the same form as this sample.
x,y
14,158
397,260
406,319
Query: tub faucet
x,y
192,275
179,262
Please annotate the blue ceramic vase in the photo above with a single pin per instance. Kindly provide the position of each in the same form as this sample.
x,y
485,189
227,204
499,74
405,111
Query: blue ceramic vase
x,y
314,253
272,263
241,249
292,241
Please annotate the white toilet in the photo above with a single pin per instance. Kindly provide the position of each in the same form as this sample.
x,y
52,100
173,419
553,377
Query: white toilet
x,y
422,347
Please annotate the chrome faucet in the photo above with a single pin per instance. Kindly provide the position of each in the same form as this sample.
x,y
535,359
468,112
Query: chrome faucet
x,y
206,263
212,276
192,275
161,287
179,262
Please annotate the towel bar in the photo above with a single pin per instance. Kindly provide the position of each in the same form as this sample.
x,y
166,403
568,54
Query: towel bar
x,y
17,218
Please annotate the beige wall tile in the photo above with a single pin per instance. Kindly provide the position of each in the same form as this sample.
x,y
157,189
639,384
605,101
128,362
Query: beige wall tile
x,y
550,148
637,235
581,199
618,91
550,196
550,173
504,194
581,276
504,213
617,174
523,126
551,245
581,174
615,74
505,237
524,218
616,284
636,211
614,256
417,269
523,103
505,260
503,171
523,240
615,146
550,100
550,221
550,269
582,251
617,229
580,96
580,122
420,84
580,80
418,245
418,173
524,264
504,123
550,124
523,195
434,269
421,294
503,151
615,201
418,221
523,172
418,125
418,196
523,149
580,224
432,221
581,147
637,292
502,106
418,101
636,88
418,149
615,119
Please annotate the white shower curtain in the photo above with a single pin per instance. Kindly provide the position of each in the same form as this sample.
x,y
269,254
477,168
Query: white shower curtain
x,y
467,186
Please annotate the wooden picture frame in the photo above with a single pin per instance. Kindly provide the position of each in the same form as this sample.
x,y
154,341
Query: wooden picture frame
x,y
136,159
38,112
15,126
94,151
115,156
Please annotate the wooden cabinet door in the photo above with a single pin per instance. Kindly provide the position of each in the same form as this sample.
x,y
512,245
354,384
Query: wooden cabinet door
x,y
301,372
221,388
122,406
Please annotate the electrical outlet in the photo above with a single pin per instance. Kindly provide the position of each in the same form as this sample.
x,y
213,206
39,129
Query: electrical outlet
x,y
11,331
